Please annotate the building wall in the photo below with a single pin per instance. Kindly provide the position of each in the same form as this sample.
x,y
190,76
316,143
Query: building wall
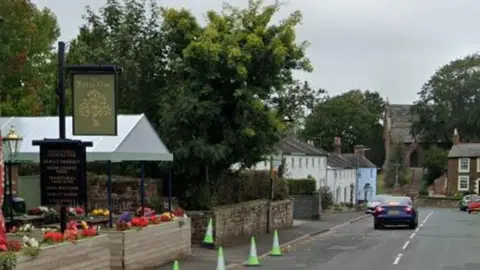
x,y
339,180
299,167
367,175
453,174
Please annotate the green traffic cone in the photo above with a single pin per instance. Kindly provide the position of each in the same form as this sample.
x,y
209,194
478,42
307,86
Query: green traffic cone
x,y
253,258
220,259
208,239
175,265
276,250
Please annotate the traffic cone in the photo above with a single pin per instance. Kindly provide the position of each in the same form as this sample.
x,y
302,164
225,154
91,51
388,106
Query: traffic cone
x,y
208,239
175,266
220,260
276,250
252,258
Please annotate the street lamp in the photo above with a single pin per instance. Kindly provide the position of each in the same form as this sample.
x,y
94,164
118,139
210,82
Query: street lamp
x,y
12,143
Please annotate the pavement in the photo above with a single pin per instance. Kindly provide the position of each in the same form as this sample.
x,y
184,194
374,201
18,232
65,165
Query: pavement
x,y
446,239
236,254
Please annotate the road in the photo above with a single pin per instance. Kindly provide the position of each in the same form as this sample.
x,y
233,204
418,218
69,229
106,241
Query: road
x,y
446,239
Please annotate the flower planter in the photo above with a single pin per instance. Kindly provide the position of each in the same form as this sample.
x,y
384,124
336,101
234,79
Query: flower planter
x,y
89,253
151,246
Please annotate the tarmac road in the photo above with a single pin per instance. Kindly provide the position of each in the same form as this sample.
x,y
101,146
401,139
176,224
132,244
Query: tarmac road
x,y
446,239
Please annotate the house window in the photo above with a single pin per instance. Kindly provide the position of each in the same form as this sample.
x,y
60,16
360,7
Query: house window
x,y
313,162
265,163
478,164
293,163
464,165
299,163
463,183
306,162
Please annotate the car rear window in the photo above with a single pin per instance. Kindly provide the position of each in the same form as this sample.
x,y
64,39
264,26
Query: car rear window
x,y
400,200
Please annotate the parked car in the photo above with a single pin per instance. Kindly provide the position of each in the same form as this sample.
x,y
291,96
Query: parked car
x,y
473,204
464,202
395,211
375,201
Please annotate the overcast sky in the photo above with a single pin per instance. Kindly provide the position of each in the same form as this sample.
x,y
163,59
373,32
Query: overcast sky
x,y
390,46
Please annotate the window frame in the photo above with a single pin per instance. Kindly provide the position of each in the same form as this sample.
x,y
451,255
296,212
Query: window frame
x,y
459,183
460,169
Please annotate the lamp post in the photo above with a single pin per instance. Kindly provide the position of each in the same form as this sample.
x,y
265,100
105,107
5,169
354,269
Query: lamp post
x,y
12,142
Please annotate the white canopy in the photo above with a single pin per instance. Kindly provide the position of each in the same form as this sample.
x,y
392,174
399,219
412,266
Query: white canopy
x,y
136,139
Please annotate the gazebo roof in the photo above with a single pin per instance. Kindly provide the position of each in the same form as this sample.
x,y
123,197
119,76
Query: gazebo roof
x,y
136,139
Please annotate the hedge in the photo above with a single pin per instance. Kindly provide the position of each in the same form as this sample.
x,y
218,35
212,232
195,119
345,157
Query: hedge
x,y
302,186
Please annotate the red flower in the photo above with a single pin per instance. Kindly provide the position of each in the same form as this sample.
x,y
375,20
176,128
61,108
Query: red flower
x,y
179,212
155,220
79,211
54,237
140,222
90,232
70,234
14,245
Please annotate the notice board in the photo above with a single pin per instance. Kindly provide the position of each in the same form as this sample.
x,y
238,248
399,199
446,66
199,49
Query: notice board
x,y
63,178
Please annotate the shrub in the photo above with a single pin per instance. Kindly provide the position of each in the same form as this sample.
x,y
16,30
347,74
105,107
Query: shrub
x,y
302,186
326,197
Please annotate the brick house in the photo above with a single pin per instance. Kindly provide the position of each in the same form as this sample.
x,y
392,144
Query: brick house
x,y
463,169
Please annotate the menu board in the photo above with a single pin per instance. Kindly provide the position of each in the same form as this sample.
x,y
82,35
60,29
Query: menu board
x,y
63,174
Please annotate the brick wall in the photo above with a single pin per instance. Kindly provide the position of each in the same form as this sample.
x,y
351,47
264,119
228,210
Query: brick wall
x,y
240,220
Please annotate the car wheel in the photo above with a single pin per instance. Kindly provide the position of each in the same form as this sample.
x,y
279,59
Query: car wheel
x,y
469,211
377,226
413,225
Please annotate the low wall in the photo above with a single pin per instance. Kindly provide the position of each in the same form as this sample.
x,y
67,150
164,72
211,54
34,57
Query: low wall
x,y
151,246
437,202
90,253
306,206
242,219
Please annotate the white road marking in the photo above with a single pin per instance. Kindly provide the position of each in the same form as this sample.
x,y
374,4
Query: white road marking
x,y
397,259
406,245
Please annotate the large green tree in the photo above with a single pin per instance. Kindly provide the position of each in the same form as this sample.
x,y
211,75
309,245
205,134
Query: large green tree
x,y
449,100
27,63
208,89
354,116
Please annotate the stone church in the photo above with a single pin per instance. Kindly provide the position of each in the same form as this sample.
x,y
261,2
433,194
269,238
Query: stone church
x,y
396,128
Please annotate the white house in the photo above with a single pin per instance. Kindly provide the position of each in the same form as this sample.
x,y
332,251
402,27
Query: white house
x,y
341,176
301,160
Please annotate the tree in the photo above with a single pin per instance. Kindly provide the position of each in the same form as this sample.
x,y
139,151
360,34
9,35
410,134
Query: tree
x,y
449,100
27,65
354,116
435,161
207,89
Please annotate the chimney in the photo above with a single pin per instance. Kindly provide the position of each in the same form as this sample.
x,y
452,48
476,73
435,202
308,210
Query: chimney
x,y
337,145
359,150
456,137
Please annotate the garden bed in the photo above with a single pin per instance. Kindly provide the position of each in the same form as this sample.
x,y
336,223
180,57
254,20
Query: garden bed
x,y
150,246
88,253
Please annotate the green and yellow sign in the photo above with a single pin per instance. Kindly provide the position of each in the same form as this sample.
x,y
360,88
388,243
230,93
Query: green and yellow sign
x,y
94,104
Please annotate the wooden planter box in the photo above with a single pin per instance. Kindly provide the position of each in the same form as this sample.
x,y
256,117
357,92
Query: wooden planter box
x,y
90,253
152,246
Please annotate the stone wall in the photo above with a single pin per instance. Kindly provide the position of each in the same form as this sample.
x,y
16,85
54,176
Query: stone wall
x,y
306,206
437,202
239,220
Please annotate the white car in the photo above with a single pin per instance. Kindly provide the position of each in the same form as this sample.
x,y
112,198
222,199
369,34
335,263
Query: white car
x,y
374,202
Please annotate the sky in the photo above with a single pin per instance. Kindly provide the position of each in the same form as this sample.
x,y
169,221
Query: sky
x,y
389,46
